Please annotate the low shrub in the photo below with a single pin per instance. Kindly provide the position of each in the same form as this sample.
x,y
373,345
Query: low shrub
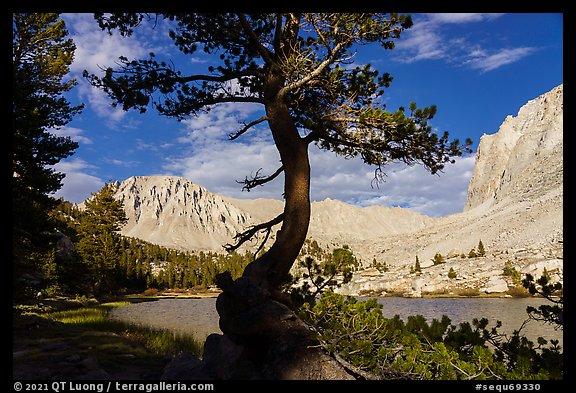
x,y
150,292
518,291
376,347
466,292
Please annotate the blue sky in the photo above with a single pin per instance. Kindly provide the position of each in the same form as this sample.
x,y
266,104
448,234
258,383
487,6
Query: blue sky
x,y
477,69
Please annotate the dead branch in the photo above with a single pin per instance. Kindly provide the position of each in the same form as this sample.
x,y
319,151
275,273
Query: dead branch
x,y
379,177
258,180
246,127
248,234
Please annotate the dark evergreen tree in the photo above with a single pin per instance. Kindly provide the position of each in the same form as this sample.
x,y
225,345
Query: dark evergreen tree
x,y
417,268
99,242
480,251
438,259
68,264
552,291
41,56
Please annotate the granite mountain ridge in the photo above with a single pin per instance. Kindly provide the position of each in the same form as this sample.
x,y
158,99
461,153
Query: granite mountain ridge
x,y
514,205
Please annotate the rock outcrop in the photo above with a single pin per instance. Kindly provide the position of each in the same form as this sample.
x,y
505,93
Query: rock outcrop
x,y
514,206
523,159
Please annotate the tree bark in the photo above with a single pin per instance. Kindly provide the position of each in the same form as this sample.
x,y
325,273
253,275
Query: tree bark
x,y
273,267
250,314
262,278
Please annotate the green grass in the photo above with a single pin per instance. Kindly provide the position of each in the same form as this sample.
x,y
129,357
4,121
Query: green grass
x,y
158,341
63,338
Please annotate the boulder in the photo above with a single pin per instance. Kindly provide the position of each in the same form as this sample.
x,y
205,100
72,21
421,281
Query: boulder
x,y
184,366
495,285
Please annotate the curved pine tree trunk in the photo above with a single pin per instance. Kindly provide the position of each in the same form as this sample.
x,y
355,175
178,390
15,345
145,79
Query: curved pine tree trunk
x,y
264,335
271,270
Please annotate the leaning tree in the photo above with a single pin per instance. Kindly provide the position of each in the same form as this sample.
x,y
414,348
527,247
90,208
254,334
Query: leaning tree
x,y
300,68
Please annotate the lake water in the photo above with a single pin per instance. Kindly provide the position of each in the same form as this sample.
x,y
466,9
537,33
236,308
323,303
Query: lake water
x,y
511,311
199,316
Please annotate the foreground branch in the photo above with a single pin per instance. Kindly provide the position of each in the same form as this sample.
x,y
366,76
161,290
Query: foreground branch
x,y
248,234
258,180
384,373
353,369
246,127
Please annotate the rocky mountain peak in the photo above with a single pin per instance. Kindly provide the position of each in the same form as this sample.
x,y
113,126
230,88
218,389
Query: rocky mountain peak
x,y
514,206
174,212
524,157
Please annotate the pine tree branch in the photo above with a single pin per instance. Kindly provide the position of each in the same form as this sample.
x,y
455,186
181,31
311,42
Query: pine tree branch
x,y
355,371
246,127
314,73
248,234
258,180
265,53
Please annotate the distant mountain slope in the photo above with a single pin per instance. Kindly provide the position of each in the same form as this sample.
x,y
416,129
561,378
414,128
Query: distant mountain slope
x,y
515,196
515,206
342,223
174,212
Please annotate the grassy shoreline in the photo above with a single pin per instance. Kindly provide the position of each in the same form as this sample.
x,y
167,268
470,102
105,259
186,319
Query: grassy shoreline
x,y
70,338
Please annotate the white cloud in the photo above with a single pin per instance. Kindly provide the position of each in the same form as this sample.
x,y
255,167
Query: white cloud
x,y
76,134
219,122
482,61
429,40
100,103
434,195
406,186
123,163
210,159
421,42
96,49
219,165
456,17
78,184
